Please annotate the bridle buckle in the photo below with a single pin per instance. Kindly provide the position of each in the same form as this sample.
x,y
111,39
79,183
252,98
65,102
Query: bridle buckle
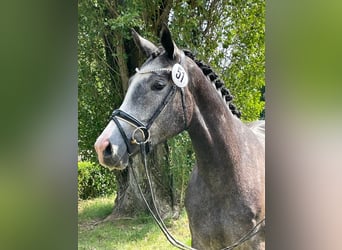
x,y
144,131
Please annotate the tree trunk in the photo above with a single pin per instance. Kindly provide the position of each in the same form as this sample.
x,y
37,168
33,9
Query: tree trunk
x,y
129,203
123,58
120,54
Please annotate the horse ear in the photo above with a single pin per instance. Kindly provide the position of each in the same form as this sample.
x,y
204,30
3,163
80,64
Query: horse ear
x,y
144,45
167,42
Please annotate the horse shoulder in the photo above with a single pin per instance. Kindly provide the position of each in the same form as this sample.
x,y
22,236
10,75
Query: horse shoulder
x,y
258,128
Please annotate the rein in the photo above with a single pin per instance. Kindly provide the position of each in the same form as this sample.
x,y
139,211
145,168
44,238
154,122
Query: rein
x,y
156,215
145,149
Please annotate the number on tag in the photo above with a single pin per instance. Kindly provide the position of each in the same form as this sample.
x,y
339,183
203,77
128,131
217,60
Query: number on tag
x,y
179,76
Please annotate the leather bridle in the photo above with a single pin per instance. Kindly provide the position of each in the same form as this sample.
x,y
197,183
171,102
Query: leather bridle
x,y
145,128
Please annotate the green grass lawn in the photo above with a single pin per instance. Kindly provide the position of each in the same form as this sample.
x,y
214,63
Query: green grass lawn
x,y
124,234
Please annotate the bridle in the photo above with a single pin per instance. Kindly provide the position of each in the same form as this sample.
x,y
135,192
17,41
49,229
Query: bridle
x,y
144,129
140,126
144,144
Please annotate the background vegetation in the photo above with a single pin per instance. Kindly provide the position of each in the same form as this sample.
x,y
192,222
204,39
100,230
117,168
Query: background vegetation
x,y
228,35
94,181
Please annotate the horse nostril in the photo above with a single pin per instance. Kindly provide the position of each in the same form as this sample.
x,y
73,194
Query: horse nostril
x,y
108,151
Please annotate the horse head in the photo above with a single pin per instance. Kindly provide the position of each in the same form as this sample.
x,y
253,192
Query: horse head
x,y
157,105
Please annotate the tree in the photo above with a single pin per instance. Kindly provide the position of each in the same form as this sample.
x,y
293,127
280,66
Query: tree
x,y
229,35
107,57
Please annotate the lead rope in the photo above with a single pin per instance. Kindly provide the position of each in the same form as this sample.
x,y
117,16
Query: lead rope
x,y
247,236
156,216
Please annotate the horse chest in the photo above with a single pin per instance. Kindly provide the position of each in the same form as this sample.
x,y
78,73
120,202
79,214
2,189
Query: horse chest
x,y
216,219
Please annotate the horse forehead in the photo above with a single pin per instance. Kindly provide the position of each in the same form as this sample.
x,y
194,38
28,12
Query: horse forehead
x,y
135,87
154,63
143,78
137,79
135,98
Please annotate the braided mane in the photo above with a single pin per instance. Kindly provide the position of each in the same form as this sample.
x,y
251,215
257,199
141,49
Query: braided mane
x,y
207,71
212,76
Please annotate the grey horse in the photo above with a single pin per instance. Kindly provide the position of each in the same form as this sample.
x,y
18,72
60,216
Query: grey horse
x,y
173,92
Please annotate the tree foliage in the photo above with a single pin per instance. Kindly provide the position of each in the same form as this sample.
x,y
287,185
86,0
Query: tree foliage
x,y
228,35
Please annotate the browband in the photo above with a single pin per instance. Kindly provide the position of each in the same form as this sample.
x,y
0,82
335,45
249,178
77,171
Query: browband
x,y
152,70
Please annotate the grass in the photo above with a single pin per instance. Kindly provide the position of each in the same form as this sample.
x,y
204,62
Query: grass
x,y
125,234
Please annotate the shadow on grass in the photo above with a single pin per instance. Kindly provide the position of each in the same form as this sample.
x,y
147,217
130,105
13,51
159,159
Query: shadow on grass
x,y
140,232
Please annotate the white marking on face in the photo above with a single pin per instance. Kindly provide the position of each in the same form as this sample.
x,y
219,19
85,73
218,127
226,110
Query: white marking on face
x,y
115,149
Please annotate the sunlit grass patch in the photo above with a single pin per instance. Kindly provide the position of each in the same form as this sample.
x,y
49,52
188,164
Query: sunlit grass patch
x,y
95,208
124,234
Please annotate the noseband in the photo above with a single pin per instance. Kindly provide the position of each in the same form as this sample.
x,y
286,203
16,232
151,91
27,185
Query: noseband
x,y
140,126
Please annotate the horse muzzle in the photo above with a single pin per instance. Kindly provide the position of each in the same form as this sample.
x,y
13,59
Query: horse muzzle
x,y
109,156
111,150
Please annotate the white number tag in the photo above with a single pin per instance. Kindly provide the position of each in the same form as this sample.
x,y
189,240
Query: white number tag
x,y
179,76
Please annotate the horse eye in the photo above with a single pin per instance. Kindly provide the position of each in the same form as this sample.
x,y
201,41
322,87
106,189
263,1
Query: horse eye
x,y
158,86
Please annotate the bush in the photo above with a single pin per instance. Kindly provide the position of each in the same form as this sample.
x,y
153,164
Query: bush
x,y
94,181
182,160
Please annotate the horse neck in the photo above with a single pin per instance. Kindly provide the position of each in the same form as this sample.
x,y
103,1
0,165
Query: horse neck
x,y
213,129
